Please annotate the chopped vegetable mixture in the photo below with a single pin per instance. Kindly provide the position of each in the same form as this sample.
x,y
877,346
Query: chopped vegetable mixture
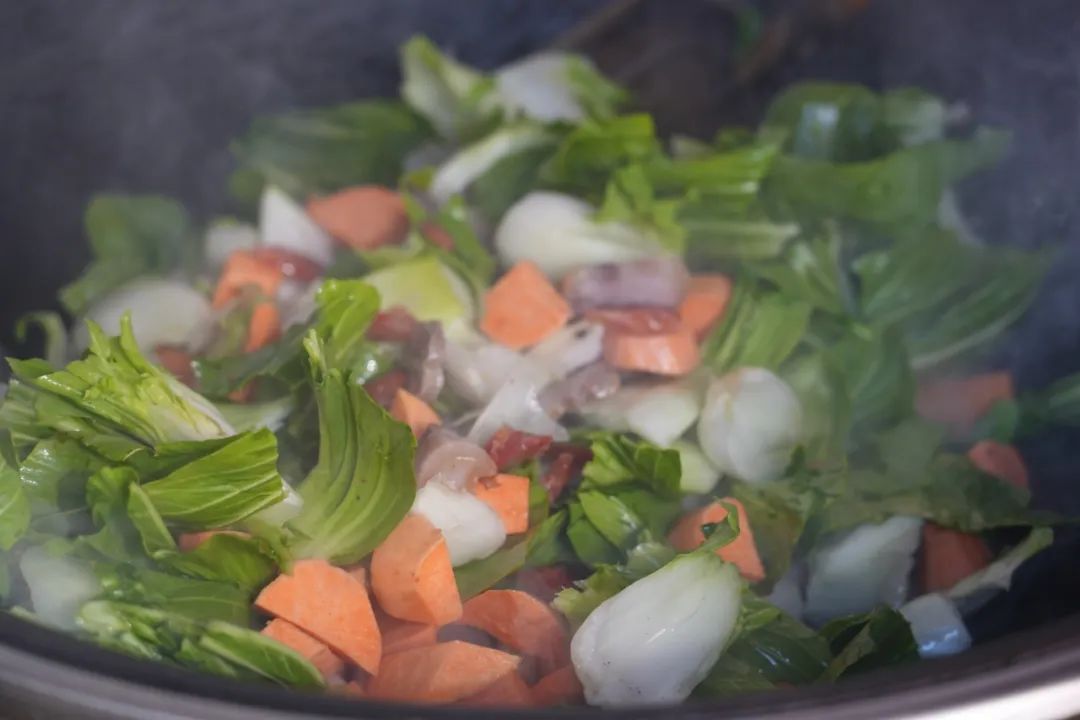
x,y
493,396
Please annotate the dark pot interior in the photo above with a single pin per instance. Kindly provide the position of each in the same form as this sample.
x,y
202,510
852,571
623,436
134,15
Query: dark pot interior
x,y
144,97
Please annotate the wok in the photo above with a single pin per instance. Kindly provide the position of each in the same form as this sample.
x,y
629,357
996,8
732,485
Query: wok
x,y
135,96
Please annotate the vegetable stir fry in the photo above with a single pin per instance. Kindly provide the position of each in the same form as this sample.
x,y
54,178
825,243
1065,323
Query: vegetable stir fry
x,y
493,396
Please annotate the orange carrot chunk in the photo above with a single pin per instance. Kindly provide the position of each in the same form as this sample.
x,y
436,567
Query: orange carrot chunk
x,y
959,402
413,411
411,574
189,541
364,217
317,653
443,673
704,303
647,340
742,552
949,556
244,269
399,635
264,327
522,623
560,687
328,603
523,308
1000,460
508,691
508,495
360,573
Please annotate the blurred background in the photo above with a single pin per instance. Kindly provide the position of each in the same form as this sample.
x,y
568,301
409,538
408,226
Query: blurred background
x,y
135,96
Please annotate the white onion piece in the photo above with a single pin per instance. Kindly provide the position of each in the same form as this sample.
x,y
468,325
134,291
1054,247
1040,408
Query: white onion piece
x,y
59,586
286,225
224,237
660,413
447,458
517,404
284,510
473,530
937,626
163,312
750,424
572,347
469,163
476,368
538,87
698,474
557,233
656,640
862,569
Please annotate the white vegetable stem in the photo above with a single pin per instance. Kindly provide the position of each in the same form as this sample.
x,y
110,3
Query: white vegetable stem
x,y
59,585
465,166
473,530
163,312
859,570
557,232
660,413
937,626
698,474
539,87
750,424
657,639
284,224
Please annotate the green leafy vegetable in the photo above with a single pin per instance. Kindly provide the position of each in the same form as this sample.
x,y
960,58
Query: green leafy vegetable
x,y
131,235
363,483
618,462
218,647
52,327
459,102
860,643
759,329
223,487
14,507
599,97
323,150
595,149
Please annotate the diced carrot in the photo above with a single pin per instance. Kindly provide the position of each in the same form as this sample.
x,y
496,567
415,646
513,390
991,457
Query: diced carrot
x,y
317,653
327,602
178,362
742,552
523,308
264,327
653,341
508,691
437,236
508,495
1000,460
364,217
443,673
413,411
959,402
560,687
949,556
189,541
704,303
411,574
522,623
399,635
244,269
